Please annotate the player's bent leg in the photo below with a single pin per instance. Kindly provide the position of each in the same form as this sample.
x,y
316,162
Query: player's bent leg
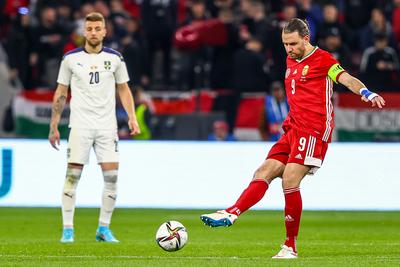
x,y
68,199
269,170
291,180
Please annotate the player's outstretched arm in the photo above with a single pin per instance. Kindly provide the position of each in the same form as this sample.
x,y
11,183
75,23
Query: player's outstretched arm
x,y
59,100
128,103
357,87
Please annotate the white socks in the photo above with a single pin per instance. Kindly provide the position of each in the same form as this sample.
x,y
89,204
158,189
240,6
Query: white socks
x,y
68,196
109,196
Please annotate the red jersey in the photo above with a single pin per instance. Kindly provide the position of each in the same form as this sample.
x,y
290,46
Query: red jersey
x,y
309,90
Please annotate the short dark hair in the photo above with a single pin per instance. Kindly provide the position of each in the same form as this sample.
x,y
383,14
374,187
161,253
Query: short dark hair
x,y
95,16
297,25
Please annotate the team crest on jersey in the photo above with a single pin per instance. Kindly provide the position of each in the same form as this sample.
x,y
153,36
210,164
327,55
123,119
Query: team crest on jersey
x,y
107,65
287,72
304,73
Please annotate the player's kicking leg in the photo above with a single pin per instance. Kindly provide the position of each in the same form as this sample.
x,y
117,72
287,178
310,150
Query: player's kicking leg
x,y
269,170
110,174
291,179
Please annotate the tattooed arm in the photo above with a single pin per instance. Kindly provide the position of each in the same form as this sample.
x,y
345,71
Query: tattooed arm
x,y
59,99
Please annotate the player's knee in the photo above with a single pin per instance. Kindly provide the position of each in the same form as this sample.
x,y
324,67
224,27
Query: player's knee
x,y
289,184
266,179
268,173
71,180
290,181
110,181
293,175
110,176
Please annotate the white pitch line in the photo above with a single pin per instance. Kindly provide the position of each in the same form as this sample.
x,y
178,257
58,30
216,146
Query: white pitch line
x,y
175,257
127,257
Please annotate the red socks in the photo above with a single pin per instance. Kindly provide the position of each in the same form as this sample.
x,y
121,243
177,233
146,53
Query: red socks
x,y
250,196
293,208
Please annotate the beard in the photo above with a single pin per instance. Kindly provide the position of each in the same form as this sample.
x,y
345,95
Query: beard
x,y
93,42
298,55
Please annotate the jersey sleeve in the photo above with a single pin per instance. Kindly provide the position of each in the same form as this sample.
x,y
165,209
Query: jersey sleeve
x,y
121,73
332,67
64,74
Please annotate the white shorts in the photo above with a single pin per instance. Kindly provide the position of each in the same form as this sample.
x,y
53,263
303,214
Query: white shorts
x,y
104,143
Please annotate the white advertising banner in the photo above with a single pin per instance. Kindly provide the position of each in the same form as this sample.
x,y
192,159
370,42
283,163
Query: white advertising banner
x,y
202,175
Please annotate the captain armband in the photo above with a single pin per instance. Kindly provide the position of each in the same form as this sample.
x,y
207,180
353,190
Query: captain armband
x,y
335,71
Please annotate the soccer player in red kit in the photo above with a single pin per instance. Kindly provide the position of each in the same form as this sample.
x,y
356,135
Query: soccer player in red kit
x,y
308,127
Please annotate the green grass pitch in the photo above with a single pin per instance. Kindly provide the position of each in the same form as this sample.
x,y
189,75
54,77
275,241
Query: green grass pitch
x,y
30,237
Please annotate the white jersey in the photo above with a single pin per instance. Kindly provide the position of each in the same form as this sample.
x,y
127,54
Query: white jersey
x,y
92,79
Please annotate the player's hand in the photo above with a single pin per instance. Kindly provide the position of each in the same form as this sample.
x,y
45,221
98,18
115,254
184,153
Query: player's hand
x,y
54,137
376,101
133,127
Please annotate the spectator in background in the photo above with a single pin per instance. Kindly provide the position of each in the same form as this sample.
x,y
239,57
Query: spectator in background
x,y
159,22
111,39
376,26
134,49
6,92
215,6
195,65
144,110
274,113
19,49
64,16
256,21
249,74
48,44
356,16
312,13
228,98
380,65
246,12
102,7
331,21
221,132
333,43
197,12
276,51
119,18
80,14
289,12
144,113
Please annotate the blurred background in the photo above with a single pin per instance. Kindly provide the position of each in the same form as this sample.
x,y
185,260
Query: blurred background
x,y
201,69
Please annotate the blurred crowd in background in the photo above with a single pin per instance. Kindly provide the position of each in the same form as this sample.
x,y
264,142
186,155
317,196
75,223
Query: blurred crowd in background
x,y
229,47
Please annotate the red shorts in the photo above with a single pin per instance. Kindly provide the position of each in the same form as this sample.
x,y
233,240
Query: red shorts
x,y
296,146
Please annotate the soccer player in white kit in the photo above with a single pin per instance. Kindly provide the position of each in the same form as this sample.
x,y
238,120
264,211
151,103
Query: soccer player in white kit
x,y
94,73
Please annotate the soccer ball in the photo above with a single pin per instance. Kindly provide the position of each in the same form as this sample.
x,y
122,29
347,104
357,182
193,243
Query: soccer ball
x,y
171,236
